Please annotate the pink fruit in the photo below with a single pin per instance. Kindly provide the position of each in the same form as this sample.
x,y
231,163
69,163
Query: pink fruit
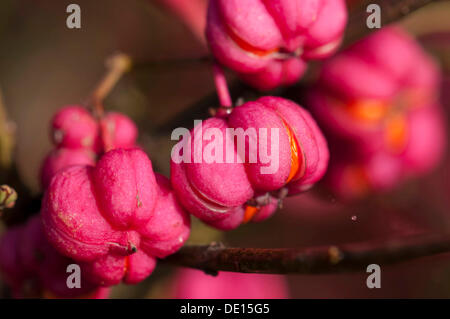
x,y
362,85
125,187
209,190
214,187
425,125
303,152
37,269
119,130
269,42
265,212
62,158
78,138
244,214
72,220
233,220
115,217
74,127
112,269
378,99
170,225
355,175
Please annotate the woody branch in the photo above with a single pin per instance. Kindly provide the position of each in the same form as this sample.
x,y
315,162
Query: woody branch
x,y
353,257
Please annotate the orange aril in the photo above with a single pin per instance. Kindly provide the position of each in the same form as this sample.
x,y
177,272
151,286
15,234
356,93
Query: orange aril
x,y
126,265
296,159
244,45
250,212
368,110
396,132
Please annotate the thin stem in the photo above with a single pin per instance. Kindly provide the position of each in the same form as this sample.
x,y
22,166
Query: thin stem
x,y
222,87
313,260
117,65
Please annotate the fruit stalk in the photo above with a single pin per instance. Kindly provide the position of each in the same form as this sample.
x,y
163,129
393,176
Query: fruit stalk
x,y
116,66
222,89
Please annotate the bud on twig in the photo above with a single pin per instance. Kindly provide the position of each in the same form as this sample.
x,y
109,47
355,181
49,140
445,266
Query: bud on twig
x,y
8,197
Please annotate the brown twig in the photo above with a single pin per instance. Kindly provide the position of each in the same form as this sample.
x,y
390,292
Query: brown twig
x,y
353,257
117,65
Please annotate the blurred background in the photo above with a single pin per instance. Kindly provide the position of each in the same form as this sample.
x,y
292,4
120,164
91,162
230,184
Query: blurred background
x,y
44,66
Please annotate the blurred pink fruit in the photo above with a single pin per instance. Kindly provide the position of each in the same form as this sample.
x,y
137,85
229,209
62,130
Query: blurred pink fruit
x,y
79,138
33,268
269,42
116,217
378,100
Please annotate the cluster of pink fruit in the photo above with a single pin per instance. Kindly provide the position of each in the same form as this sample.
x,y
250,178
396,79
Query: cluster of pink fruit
x,y
33,268
79,138
105,209
113,217
268,42
379,103
377,100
